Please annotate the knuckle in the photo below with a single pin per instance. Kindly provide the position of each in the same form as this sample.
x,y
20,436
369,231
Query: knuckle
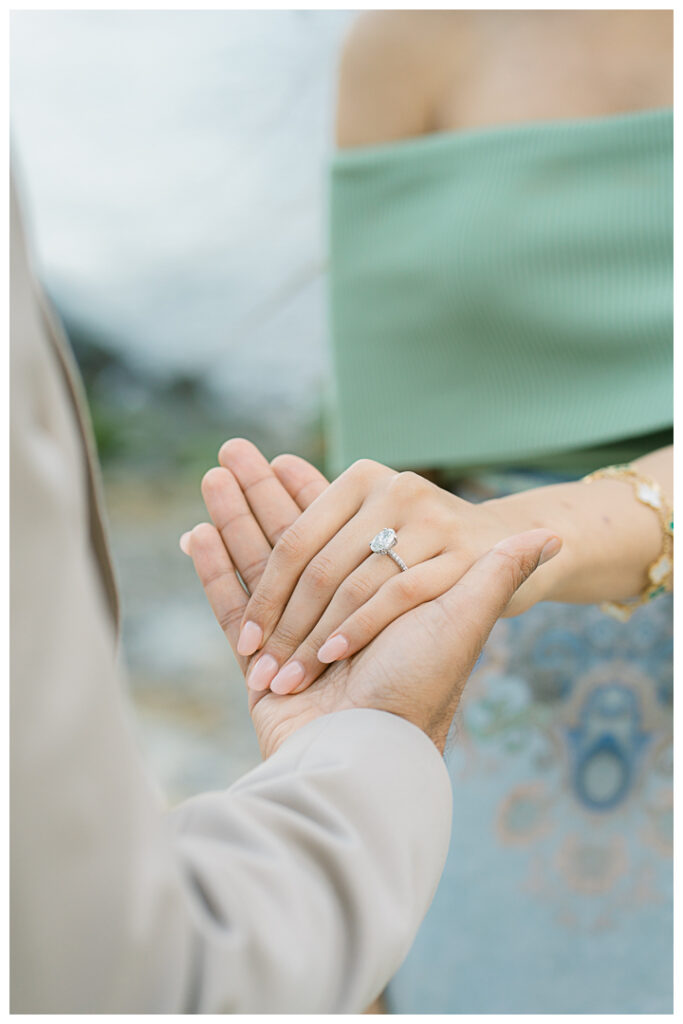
x,y
363,468
254,570
215,575
408,588
228,620
318,577
260,608
279,531
513,567
356,589
284,639
408,485
437,516
364,623
289,547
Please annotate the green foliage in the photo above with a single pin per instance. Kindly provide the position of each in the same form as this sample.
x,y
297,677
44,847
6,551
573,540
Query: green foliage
x,y
177,425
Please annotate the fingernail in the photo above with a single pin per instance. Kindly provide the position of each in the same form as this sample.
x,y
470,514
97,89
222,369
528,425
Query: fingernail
x,y
288,677
550,550
262,673
185,542
251,638
333,648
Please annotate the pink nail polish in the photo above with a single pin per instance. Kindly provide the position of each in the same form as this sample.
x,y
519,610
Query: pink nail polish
x,y
288,677
251,638
263,671
334,647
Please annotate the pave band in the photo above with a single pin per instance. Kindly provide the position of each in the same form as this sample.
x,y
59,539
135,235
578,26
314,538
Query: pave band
x,y
382,543
399,561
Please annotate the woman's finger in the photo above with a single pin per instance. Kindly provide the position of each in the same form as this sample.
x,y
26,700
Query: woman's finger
x,y
297,646
218,577
301,480
273,507
304,539
399,594
424,582
317,585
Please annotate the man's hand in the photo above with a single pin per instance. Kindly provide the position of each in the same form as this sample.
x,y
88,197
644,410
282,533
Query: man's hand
x,y
416,668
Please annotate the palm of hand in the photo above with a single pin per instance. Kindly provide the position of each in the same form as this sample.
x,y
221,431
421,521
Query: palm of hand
x,y
276,717
416,668
394,673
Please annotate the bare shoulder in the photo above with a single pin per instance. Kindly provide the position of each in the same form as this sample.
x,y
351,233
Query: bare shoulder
x,y
390,72
409,73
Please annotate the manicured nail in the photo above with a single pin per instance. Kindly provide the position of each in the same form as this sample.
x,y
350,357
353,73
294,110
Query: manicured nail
x,y
185,542
550,550
335,647
251,638
288,677
262,673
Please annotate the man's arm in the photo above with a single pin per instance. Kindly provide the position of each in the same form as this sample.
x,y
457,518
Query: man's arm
x,y
299,889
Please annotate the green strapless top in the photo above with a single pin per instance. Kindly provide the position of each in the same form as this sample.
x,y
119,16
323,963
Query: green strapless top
x,y
504,296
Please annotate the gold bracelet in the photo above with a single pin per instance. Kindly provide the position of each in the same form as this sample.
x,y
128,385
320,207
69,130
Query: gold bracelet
x,y
660,573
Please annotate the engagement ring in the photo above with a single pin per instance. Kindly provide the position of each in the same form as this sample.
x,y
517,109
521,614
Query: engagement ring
x,y
383,542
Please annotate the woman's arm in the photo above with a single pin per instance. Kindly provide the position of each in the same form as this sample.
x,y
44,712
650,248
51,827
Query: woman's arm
x,y
323,595
610,538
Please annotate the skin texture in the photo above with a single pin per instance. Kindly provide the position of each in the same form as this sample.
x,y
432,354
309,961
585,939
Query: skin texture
x,y
408,73
416,668
322,581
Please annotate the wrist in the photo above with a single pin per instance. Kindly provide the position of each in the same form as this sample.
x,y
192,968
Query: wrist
x,y
555,508
609,538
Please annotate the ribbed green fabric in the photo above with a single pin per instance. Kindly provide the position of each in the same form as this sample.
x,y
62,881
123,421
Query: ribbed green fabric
x,y
503,296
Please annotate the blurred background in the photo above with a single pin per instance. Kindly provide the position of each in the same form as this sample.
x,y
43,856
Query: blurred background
x,y
172,171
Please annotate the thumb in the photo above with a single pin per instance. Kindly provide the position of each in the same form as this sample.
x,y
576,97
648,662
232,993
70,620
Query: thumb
x,y
475,603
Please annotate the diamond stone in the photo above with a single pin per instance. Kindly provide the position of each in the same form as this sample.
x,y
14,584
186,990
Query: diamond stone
x,y
616,611
384,540
649,496
661,569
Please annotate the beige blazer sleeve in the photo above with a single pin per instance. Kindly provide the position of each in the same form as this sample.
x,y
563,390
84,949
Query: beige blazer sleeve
x,y
299,889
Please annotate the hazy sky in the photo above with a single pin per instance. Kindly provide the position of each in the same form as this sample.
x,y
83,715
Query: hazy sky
x,y
173,165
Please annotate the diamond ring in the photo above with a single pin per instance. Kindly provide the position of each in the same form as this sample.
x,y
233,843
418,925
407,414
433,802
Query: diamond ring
x,y
382,544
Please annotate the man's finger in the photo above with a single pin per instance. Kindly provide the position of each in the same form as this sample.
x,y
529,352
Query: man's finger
x,y
273,507
218,577
299,478
474,604
246,543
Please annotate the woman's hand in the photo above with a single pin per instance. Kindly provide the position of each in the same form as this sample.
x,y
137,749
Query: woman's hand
x,y
416,669
322,582
324,595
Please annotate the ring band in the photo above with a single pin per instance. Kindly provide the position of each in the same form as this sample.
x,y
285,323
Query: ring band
x,y
399,561
382,544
